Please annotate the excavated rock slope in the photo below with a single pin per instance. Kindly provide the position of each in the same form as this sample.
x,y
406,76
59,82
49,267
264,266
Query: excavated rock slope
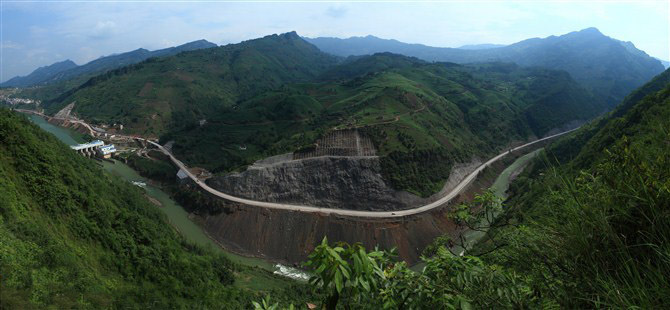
x,y
327,181
343,182
289,236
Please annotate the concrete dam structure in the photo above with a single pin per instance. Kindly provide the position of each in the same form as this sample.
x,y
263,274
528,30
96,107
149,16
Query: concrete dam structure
x,y
95,148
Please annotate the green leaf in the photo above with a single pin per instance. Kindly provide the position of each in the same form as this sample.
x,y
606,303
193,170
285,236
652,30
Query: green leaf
x,y
338,282
345,272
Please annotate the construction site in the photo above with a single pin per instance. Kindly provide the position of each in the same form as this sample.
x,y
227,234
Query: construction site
x,y
347,142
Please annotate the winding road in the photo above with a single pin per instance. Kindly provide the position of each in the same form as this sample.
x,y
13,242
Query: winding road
x,y
328,211
354,213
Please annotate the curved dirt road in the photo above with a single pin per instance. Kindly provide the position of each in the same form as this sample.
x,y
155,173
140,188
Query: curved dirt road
x,y
355,213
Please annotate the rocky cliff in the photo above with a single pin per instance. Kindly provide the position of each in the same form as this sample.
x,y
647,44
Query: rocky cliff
x,y
326,181
289,236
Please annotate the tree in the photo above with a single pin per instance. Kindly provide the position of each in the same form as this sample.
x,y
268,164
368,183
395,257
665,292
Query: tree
x,y
347,271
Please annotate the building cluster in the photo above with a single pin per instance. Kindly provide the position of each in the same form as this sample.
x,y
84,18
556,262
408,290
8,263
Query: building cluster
x,y
15,101
95,148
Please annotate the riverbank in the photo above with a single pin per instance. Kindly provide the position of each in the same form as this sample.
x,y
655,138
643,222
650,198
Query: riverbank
x,y
254,273
257,235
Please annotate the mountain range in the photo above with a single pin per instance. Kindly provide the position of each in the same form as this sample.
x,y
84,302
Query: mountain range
x,y
227,106
480,46
280,93
66,70
608,67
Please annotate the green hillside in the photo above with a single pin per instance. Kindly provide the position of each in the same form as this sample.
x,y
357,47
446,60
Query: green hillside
x,y
422,117
168,93
47,82
75,237
602,234
226,107
591,233
607,67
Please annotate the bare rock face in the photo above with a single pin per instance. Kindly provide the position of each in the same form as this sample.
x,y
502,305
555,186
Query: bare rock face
x,y
328,181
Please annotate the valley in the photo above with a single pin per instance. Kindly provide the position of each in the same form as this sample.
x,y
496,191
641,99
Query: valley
x,y
176,215
330,221
266,165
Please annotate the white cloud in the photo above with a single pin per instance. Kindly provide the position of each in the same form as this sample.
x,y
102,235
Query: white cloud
x,y
103,30
10,45
336,12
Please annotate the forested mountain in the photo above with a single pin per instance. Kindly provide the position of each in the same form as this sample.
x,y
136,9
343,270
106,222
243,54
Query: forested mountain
x,y
421,116
73,236
63,72
608,67
40,74
106,63
168,93
586,226
609,208
228,106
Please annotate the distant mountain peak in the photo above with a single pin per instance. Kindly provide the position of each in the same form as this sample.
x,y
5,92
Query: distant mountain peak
x,y
198,44
290,35
66,61
139,50
40,74
591,30
483,46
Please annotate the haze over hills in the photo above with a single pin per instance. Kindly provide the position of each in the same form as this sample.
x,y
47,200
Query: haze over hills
x,y
40,74
480,46
665,63
67,70
608,67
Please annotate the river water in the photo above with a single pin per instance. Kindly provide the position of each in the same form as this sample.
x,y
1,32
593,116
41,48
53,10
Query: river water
x,y
179,219
177,216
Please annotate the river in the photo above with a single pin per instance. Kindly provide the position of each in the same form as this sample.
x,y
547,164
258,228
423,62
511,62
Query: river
x,y
499,188
176,215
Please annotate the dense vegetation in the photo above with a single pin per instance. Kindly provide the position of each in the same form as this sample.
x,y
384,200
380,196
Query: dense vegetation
x,y
226,107
422,117
592,232
175,92
158,168
607,67
73,236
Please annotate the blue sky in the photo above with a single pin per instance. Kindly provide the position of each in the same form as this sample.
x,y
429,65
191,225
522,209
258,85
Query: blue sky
x,y
40,33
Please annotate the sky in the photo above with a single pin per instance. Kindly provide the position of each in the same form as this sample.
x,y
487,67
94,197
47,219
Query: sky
x,y
39,33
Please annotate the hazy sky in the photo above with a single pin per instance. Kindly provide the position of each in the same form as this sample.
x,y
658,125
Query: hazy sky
x,y
39,33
